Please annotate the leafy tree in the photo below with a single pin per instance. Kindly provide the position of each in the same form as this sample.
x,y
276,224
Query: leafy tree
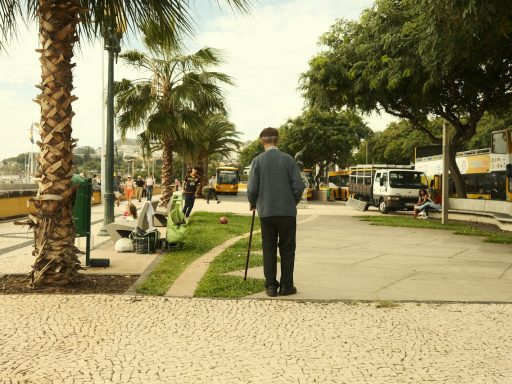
x,y
395,145
249,152
171,102
417,59
61,24
486,126
326,138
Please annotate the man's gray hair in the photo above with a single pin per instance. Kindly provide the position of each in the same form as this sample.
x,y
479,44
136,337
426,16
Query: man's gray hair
x,y
269,140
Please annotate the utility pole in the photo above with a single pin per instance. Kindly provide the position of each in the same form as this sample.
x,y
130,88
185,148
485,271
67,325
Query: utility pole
x,y
445,184
112,39
103,154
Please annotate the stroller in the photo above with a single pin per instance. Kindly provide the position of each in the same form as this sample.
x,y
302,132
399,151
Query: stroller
x,y
176,224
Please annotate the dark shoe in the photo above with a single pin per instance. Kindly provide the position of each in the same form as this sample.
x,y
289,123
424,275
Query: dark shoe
x,y
218,201
207,202
287,291
271,291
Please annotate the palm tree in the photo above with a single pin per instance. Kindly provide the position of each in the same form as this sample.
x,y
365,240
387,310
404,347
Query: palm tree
x,y
61,23
169,103
219,136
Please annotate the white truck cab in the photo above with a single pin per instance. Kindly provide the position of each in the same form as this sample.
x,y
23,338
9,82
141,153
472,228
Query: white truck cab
x,y
387,187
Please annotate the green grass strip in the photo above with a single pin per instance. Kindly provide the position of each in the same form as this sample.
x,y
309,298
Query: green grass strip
x,y
204,233
216,283
496,236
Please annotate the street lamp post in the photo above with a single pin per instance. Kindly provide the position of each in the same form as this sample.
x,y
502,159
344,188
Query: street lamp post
x,y
445,184
113,46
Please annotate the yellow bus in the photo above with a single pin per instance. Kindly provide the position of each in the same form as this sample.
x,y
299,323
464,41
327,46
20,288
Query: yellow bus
x,y
340,180
227,180
308,173
486,172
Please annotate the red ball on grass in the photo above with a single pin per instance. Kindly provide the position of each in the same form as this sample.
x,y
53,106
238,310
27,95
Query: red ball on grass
x,y
223,220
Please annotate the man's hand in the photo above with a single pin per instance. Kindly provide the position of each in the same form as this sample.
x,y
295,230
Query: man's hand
x,y
252,208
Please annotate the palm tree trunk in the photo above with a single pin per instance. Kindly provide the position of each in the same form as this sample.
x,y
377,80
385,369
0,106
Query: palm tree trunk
x,y
167,172
56,255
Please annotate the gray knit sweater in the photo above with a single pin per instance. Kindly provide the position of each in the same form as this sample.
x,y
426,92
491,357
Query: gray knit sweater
x,y
275,185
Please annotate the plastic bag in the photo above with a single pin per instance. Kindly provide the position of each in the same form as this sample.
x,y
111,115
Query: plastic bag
x,y
123,245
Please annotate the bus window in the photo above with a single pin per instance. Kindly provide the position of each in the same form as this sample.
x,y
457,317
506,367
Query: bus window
x,y
498,185
471,186
499,142
227,177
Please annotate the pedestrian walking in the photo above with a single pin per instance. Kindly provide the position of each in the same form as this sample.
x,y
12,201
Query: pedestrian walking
x,y
211,190
129,187
191,185
150,182
140,187
274,189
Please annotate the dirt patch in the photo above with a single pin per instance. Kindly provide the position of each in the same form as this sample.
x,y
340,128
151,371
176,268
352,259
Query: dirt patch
x,y
11,284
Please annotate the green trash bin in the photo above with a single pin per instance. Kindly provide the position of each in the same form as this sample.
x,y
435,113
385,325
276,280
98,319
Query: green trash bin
x,y
82,205
82,211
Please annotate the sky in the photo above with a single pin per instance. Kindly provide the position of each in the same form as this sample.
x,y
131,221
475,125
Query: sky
x,y
265,52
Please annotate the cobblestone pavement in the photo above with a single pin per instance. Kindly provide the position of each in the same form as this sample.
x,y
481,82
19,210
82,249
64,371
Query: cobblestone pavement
x,y
123,339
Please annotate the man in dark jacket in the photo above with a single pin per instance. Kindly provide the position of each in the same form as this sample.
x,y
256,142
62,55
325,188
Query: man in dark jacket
x,y
191,186
275,188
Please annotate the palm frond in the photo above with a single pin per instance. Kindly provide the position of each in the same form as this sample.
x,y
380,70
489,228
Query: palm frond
x,y
137,59
243,5
172,16
11,14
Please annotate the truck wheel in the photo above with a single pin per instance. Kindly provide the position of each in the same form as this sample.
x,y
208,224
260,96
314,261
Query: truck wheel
x,y
382,207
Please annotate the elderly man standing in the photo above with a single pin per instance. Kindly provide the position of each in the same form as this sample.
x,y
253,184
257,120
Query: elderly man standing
x,y
274,189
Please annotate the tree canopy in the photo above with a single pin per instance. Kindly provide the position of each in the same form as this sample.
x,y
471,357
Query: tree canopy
x,y
325,138
249,152
418,59
395,145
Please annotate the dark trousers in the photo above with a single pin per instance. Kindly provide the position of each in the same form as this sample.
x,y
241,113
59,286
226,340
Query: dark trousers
x,y
212,193
189,203
278,231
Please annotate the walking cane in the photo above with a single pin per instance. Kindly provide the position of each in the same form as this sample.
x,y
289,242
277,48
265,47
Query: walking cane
x,y
249,248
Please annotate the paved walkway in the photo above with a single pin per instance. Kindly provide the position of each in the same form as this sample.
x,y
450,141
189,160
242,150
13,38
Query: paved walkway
x,y
94,339
340,257
16,245
121,339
